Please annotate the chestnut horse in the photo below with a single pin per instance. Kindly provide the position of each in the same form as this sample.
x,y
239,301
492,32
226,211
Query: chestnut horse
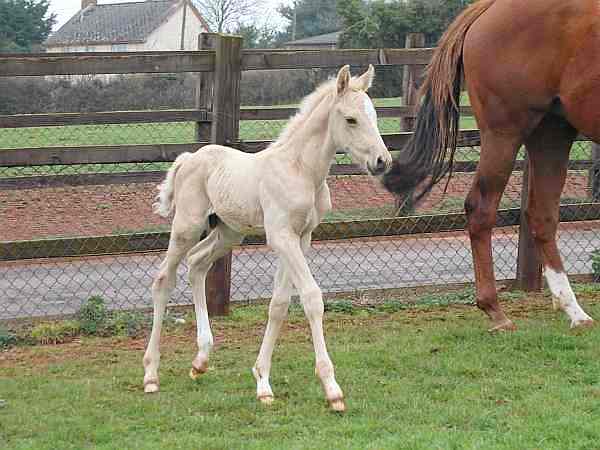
x,y
532,71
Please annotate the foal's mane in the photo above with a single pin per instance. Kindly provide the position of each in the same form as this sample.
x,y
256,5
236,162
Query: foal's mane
x,y
308,105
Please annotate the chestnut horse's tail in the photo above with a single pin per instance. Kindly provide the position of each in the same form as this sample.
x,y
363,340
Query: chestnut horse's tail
x,y
437,122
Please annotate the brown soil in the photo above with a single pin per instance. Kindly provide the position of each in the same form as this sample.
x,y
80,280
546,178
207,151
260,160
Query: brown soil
x,y
99,210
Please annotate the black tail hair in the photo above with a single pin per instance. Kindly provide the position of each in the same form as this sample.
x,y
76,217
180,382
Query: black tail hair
x,y
425,155
424,159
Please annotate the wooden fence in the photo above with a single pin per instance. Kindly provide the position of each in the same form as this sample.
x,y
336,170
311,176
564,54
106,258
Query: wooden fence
x,y
219,63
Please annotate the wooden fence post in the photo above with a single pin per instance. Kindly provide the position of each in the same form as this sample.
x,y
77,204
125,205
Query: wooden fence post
x,y
204,88
224,131
411,80
529,267
595,173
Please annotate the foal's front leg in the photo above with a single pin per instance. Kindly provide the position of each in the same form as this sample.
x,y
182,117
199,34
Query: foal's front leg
x,y
288,247
278,309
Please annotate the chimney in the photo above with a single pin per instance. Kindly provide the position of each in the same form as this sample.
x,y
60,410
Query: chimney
x,y
86,3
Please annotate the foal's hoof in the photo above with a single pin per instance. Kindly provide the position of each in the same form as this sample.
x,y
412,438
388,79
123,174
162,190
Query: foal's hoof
x,y
196,372
506,325
337,405
556,304
266,400
151,387
582,324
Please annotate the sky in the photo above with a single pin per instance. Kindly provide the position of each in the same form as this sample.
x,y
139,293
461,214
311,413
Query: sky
x,y
65,9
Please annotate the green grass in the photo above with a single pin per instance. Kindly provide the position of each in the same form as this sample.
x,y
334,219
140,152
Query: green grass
x,y
179,133
152,133
424,377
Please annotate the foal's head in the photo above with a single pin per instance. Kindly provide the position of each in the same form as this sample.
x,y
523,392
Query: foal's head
x,y
353,122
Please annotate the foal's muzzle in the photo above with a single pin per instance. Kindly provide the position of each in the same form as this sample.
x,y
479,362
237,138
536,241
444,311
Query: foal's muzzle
x,y
379,168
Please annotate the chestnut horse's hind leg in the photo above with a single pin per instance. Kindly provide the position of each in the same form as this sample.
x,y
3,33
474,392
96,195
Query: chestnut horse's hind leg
x,y
548,149
496,162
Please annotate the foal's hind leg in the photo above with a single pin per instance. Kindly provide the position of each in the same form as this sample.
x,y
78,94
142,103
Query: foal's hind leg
x,y
548,148
200,259
183,237
495,166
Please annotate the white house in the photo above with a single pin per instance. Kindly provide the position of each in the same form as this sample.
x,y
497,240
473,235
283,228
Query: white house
x,y
139,26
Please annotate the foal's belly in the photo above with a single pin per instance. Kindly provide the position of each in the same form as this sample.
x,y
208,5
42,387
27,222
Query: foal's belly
x,y
234,197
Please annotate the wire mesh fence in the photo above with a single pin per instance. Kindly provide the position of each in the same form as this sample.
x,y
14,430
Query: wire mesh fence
x,y
37,287
58,206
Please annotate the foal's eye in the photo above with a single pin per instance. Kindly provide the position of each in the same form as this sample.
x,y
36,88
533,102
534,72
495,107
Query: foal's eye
x,y
351,120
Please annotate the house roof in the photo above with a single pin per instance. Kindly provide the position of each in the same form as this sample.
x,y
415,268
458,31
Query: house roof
x,y
115,23
321,39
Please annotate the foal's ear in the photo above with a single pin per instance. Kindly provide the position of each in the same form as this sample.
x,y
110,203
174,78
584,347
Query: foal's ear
x,y
365,81
343,80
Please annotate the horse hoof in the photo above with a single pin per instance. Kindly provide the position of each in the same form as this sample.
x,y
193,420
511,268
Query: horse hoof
x,y
151,387
337,405
196,372
507,325
266,400
588,323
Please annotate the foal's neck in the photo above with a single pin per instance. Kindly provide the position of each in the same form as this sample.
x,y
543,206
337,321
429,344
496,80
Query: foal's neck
x,y
311,144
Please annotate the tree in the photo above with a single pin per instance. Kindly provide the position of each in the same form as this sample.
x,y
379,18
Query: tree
x,y
261,37
227,15
24,24
384,23
310,18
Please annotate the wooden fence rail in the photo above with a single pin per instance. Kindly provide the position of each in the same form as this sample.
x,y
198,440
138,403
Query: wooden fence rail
x,y
103,118
326,231
46,64
147,153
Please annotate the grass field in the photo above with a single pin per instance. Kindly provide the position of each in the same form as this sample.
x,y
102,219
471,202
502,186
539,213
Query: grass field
x,y
179,133
426,376
156,133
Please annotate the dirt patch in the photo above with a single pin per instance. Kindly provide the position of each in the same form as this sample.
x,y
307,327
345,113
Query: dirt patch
x,y
97,210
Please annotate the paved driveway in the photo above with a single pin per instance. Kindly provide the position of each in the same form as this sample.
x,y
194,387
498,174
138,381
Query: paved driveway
x,y
59,287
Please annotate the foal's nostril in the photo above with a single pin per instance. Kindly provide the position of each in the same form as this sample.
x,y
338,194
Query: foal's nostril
x,y
380,167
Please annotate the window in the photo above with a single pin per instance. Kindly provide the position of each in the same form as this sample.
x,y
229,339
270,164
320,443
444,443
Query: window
x,y
118,47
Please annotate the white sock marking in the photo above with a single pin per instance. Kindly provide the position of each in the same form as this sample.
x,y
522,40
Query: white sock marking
x,y
561,290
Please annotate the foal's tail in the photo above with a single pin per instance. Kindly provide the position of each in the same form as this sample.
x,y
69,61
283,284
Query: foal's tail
x,y
437,122
166,190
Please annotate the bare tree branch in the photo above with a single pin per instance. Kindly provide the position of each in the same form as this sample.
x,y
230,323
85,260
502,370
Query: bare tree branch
x,y
227,15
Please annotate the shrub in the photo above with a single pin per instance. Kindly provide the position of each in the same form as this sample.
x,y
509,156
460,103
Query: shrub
x,y
55,332
7,338
596,265
340,306
125,323
93,315
392,306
